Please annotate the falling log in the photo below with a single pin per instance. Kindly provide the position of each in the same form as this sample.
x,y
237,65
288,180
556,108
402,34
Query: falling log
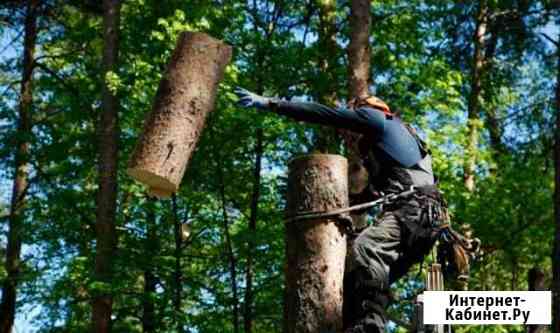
x,y
315,249
185,97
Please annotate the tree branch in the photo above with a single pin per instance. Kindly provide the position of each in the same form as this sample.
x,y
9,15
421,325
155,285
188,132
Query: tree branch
x,y
556,43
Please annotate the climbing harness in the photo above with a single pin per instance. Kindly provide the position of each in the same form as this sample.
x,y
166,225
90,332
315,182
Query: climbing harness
x,y
444,232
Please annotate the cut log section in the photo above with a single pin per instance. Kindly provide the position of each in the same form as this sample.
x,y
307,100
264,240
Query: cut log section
x,y
315,249
185,97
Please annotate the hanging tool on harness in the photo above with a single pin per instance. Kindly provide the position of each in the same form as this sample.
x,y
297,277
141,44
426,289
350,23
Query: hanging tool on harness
x,y
455,257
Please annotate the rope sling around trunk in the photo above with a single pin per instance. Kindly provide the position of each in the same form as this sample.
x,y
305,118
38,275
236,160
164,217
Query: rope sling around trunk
x,y
310,215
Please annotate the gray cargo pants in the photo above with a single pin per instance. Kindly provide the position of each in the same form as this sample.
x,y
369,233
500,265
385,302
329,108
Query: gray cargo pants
x,y
366,286
381,254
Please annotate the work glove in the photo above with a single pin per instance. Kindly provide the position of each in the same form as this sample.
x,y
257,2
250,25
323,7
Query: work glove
x,y
248,99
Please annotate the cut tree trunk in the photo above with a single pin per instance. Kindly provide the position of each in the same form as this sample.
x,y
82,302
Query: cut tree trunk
x,y
108,137
315,249
21,174
185,97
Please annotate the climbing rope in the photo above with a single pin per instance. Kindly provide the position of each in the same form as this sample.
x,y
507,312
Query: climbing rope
x,y
311,215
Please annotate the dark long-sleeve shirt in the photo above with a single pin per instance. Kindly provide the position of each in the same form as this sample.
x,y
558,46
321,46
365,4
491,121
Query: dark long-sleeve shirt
x,y
387,134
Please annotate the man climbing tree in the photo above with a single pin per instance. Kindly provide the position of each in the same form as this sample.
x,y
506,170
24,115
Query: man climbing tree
x,y
397,161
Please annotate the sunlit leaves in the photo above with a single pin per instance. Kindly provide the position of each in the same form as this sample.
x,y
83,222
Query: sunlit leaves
x,y
421,54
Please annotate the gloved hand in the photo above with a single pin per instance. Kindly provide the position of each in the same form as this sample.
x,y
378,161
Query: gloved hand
x,y
248,99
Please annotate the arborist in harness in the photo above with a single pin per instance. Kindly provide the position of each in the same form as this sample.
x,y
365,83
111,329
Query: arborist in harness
x,y
407,227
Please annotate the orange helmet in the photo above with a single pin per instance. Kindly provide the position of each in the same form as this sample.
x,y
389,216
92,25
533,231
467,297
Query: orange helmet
x,y
373,102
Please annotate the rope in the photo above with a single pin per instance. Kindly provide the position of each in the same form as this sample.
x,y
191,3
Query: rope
x,y
310,215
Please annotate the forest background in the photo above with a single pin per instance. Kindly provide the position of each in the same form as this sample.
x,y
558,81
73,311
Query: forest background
x,y
478,79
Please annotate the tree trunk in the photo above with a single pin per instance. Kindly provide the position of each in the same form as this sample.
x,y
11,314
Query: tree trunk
x,y
556,253
185,97
359,49
358,85
149,311
260,77
315,249
177,273
108,136
229,250
473,116
494,124
248,315
21,173
150,281
326,139
537,283
514,272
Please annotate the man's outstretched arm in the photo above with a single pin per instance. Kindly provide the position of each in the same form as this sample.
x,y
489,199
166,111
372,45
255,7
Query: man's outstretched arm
x,y
364,120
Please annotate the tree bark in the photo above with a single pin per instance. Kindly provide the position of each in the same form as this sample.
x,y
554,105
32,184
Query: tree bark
x,y
473,115
150,280
536,281
185,97
556,250
108,136
315,249
494,124
359,49
21,173
326,139
359,79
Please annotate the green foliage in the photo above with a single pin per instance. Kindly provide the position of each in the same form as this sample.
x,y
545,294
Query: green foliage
x,y
421,61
